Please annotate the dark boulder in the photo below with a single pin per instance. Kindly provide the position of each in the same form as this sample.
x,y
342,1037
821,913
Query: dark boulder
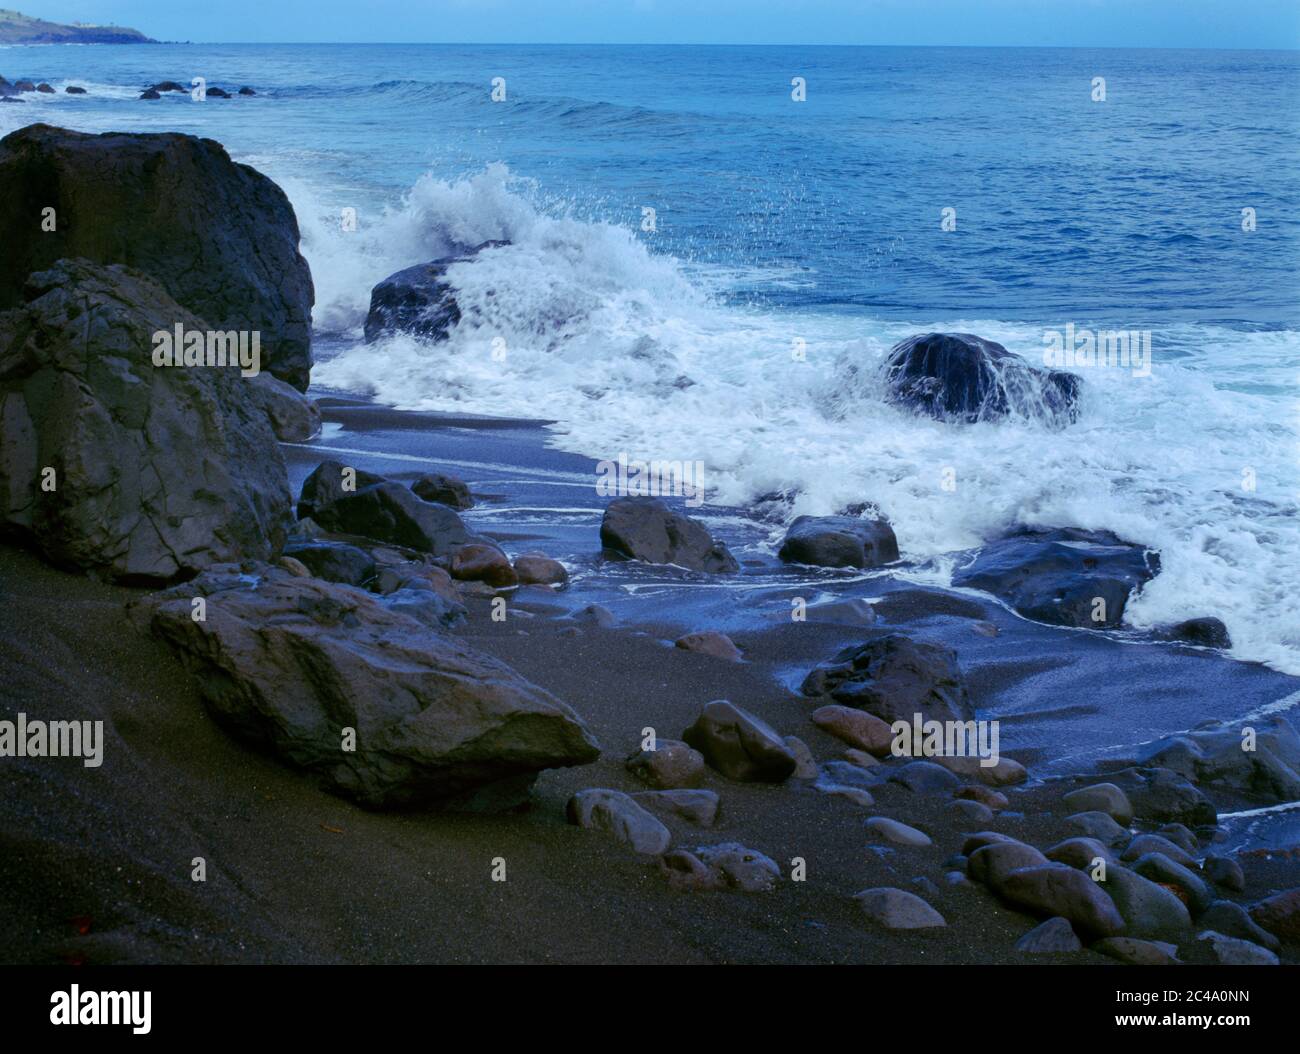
x,y
25,86
292,664
158,472
895,678
45,89
246,91
10,98
388,512
962,377
646,529
839,541
150,94
445,490
1058,576
72,89
216,93
417,300
739,745
334,561
328,482
220,238
163,86
1208,632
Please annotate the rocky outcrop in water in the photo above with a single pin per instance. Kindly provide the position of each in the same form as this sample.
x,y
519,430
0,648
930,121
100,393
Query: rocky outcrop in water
x,y
417,300
646,529
962,377
840,541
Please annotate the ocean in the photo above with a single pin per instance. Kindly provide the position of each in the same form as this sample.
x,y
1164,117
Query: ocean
x,y
742,321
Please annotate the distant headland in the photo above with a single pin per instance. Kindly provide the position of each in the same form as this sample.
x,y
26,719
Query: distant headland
x,y
16,28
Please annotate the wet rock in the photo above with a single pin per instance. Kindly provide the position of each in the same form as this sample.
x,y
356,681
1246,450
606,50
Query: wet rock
x,y
1181,835
897,909
962,377
895,678
1004,772
288,663
149,93
1213,755
970,812
1161,795
329,481
671,764
1053,889
246,91
418,300
73,89
710,642
334,561
480,562
848,611
220,238
839,541
444,490
896,832
1206,632
388,512
1099,825
167,86
994,800
856,727
1064,577
538,569
294,418
596,615
1101,797
217,93
646,529
1056,935
426,606
601,809
160,472
45,89
699,807
740,745
1081,853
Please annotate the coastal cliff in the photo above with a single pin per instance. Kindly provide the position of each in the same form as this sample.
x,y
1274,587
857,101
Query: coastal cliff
x,y
17,28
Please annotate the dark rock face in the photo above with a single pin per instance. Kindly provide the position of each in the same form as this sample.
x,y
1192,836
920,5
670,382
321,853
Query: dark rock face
x,y
159,471
1160,794
294,418
334,561
289,663
220,238
839,541
45,89
445,490
247,91
72,89
895,678
646,529
326,484
961,377
388,512
25,86
1057,576
1212,755
1207,632
162,86
150,94
217,93
417,300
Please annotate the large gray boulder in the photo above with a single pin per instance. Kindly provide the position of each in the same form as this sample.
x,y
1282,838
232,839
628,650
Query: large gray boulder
x,y
1217,755
157,471
387,512
219,237
646,529
289,663
740,745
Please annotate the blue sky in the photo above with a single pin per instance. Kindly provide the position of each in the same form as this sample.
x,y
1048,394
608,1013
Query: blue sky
x,y
1062,23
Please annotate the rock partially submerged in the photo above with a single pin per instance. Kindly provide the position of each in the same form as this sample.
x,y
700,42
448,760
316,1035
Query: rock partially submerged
x,y
417,300
1064,577
157,472
895,678
291,663
839,541
219,237
646,529
962,377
